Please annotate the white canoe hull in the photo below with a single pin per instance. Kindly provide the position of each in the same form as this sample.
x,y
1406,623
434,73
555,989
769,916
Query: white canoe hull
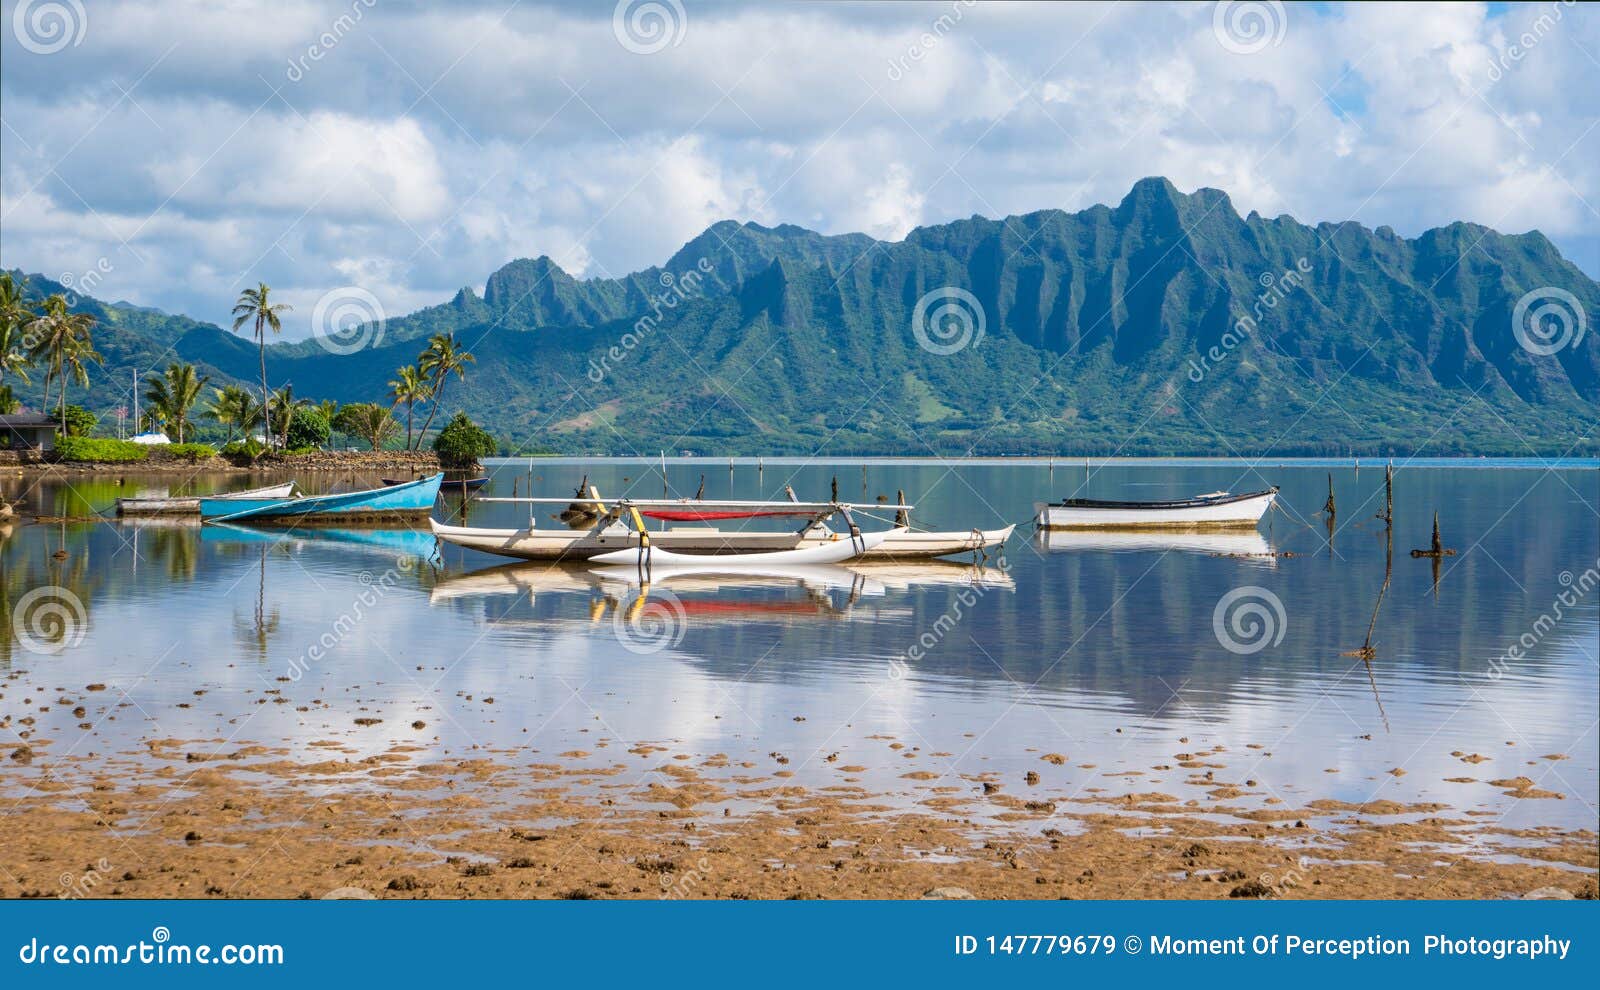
x,y
831,552
554,544
911,545
1241,513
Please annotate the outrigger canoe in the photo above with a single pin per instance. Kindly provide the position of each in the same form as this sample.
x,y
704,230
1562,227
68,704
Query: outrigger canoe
x,y
396,502
166,505
1217,510
689,528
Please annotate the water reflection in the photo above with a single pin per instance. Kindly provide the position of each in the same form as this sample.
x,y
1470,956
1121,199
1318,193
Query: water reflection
x,y
1075,636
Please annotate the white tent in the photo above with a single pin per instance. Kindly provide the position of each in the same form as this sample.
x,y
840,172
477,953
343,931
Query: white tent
x,y
151,439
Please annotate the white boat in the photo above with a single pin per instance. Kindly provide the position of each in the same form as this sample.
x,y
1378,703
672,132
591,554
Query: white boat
x,y
166,505
1216,510
835,551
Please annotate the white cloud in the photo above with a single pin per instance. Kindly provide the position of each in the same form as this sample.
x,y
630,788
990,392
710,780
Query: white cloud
x,y
432,144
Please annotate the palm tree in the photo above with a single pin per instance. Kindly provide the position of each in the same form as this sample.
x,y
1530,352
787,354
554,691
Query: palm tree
x,y
280,412
172,396
234,408
64,341
369,421
256,306
411,387
442,358
14,318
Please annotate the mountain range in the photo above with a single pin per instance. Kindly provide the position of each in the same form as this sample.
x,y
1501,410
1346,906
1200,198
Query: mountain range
x,y
1167,324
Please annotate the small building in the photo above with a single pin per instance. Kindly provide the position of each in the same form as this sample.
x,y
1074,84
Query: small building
x,y
27,431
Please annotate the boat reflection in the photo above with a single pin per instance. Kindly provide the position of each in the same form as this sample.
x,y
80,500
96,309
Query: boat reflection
x,y
711,593
1235,544
410,545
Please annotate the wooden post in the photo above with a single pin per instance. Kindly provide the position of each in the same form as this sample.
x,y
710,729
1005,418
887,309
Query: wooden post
x,y
1329,506
902,518
1388,494
835,490
1437,549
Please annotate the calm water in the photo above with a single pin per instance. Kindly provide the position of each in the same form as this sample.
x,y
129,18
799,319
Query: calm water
x,y
1107,650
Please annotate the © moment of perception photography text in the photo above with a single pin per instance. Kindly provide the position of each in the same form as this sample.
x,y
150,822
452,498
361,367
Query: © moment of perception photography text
x,y
839,491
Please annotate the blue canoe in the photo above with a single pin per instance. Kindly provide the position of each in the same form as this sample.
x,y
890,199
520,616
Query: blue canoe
x,y
410,500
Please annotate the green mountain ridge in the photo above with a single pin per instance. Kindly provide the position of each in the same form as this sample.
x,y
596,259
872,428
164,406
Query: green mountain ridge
x,y
1114,329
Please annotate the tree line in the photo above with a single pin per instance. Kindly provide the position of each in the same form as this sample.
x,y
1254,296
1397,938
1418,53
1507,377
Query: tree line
x,y
48,335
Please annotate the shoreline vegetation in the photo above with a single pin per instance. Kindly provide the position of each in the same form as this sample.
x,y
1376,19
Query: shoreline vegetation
x,y
182,425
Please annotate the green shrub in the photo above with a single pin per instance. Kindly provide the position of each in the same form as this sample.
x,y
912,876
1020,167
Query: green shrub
x,y
99,450
308,428
247,451
80,421
191,452
462,442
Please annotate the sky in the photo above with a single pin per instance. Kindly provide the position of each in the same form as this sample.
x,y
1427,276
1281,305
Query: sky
x,y
383,154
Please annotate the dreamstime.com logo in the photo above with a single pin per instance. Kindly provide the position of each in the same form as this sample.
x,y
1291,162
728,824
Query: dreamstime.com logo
x,y
1245,27
159,951
675,885
948,320
347,319
1275,290
49,620
961,606
373,591
675,291
47,27
645,27
75,887
1548,320
1576,589
655,621
1248,620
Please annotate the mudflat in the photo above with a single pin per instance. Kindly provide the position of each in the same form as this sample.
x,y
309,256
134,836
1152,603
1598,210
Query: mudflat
x,y
217,817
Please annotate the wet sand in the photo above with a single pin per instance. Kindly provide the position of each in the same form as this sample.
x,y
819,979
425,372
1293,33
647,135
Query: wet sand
x,y
219,818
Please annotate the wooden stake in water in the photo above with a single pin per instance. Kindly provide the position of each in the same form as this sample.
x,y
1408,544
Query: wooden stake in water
x,y
1388,494
902,517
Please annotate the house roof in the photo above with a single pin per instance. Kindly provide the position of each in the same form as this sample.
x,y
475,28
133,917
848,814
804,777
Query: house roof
x,y
27,419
